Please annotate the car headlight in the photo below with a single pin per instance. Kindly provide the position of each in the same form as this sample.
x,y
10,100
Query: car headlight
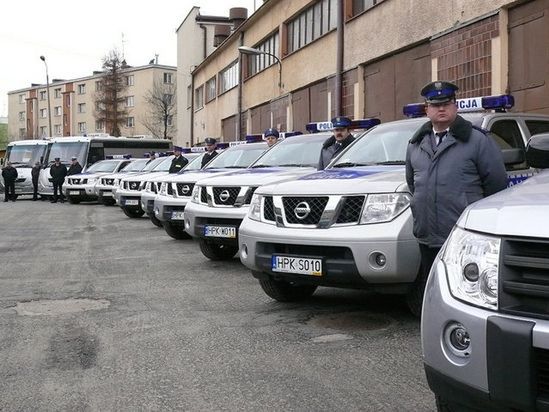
x,y
91,181
384,207
254,211
148,187
195,196
163,189
116,183
472,264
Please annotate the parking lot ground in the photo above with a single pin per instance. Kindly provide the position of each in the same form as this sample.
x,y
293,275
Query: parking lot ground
x,y
102,312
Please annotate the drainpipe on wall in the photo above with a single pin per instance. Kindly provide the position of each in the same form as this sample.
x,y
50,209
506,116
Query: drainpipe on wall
x,y
192,110
204,42
240,80
339,59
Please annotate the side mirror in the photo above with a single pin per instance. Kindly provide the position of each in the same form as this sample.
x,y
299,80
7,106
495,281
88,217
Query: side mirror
x,y
537,151
513,156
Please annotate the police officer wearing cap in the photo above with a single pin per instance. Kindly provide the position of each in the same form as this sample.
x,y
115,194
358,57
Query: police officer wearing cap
x,y
449,164
152,156
75,167
178,162
211,145
58,172
271,136
341,138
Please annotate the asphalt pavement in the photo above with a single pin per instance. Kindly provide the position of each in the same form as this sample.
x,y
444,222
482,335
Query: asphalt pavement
x,y
102,312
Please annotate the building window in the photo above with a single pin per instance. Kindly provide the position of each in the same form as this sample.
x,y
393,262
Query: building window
x,y
99,125
82,88
98,85
199,98
361,5
57,129
168,78
21,116
312,23
82,127
169,120
57,93
129,80
21,98
68,100
43,113
129,101
168,99
57,111
65,120
43,95
43,131
189,97
81,107
22,132
262,61
228,77
130,122
211,90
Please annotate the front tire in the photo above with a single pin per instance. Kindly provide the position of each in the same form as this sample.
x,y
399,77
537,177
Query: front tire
x,y
132,213
175,231
108,202
154,220
286,291
215,251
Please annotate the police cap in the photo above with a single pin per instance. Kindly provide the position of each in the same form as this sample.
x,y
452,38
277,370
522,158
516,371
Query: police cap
x,y
439,92
74,158
271,132
341,122
57,159
210,140
177,149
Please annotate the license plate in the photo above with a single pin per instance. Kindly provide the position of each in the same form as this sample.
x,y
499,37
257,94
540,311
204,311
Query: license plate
x,y
220,231
178,215
131,202
74,192
298,265
107,194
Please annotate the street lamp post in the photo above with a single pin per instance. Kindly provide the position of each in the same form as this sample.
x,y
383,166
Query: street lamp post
x,y
48,91
250,51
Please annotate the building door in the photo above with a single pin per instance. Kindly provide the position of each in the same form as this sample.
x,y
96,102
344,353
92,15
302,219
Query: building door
x,y
228,127
529,56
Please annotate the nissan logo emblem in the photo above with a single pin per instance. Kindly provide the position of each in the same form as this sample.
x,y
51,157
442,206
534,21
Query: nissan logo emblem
x,y
224,196
302,210
185,189
133,185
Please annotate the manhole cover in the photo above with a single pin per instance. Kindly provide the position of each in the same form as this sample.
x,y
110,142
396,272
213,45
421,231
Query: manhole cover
x,y
59,307
351,321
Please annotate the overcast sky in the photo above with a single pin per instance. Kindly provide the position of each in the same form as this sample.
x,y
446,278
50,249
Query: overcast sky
x,y
74,36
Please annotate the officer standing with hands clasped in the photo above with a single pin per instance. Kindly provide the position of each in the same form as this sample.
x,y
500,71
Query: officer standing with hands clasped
x,y
9,173
449,164
271,136
211,145
58,172
35,174
341,138
178,162
75,167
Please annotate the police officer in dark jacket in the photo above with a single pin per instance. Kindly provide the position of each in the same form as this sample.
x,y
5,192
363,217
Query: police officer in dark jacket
x,y
341,138
58,172
211,145
35,174
74,168
178,162
449,165
9,173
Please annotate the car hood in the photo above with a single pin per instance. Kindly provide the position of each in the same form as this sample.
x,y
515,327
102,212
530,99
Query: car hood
x,y
121,175
139,177
195,176
358,180
522,210
87,175
257,177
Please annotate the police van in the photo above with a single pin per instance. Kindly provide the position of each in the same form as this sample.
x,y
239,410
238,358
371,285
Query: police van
x,y
175,194
23,154
485,320
350,225
220,203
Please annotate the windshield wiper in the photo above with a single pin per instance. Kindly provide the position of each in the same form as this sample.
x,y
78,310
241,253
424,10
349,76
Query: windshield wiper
x,y
352,164
233,167
392,162
257,166
293,165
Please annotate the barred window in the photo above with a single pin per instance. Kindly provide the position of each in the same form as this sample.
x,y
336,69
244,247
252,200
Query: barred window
x,y
262,61
199,98
361,5
312,23
228,77
211,90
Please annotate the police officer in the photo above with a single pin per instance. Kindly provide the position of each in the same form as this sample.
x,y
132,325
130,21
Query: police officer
x,y
271,136
75,167
341,138
178,162
9,173
152,156
449,165
211,145
35,174
58,172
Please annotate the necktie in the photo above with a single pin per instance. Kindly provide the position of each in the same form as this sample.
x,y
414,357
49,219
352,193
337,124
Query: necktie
x,y
440,136
337,145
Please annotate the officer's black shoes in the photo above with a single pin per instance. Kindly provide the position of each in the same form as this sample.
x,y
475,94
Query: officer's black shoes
x,y
53,201
5,200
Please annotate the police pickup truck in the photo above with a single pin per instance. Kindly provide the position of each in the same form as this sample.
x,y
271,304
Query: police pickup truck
x,y
174,195
350,225
485,320
106,185
220,203
81,187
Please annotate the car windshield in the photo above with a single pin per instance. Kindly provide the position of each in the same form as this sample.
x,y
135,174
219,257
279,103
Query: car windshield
x,y
135,166
297,151
25,155
66,150
195,163
151,164
384,144
107,166
238,157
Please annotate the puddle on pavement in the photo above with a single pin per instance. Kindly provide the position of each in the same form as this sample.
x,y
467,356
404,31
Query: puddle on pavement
x,y
351,321
337,337
59,307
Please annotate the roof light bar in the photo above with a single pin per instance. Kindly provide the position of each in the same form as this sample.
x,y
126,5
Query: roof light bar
x,y
355,124
498,103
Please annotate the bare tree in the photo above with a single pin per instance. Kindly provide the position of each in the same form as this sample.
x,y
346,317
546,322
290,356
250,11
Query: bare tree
x,y
161,110
110,96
